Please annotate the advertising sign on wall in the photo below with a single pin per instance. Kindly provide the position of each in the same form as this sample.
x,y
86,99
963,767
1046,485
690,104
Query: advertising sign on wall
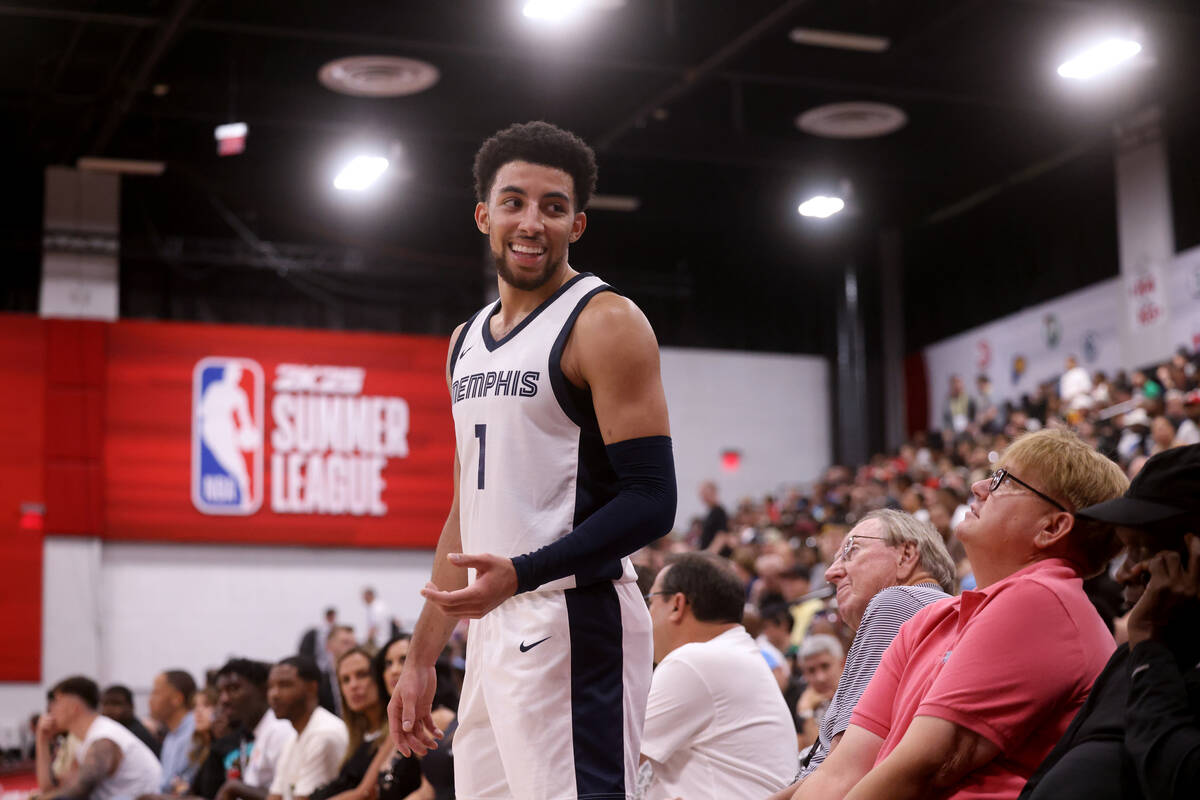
x,y
239,434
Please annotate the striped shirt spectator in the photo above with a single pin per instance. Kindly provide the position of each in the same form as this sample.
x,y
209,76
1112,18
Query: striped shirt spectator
x,y
886,612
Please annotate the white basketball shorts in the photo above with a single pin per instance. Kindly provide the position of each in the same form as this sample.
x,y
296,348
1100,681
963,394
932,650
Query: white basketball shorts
x,y
554,699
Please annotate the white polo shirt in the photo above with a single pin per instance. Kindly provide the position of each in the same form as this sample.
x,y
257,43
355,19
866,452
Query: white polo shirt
x,y
717,725
311,759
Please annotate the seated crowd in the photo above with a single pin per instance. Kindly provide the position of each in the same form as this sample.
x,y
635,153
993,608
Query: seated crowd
x,y
257,731
994,611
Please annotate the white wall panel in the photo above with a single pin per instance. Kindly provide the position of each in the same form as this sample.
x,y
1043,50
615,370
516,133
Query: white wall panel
x,y
193,606
773,408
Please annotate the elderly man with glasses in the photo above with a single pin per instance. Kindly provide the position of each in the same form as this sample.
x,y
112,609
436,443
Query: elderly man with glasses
x,y
976,690
891,565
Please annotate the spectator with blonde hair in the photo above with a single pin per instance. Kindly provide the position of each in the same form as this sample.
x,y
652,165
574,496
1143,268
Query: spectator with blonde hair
x,y
976,690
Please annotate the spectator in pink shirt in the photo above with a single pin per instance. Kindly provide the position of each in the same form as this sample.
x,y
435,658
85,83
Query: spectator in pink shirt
x,y
976,690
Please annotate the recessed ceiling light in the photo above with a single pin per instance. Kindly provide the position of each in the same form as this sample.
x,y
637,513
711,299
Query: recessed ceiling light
x,y
378,76
821,206
360,173
557,10
550,9
852,120
840,41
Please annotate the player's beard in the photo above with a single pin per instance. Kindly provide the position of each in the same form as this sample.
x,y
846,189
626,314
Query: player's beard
x,y
525,284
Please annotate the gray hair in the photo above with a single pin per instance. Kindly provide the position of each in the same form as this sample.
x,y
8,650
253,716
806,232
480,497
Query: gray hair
x,y
900,527
817,643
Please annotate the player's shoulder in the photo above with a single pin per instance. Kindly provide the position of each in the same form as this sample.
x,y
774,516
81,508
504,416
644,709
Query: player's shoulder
x,y
608,315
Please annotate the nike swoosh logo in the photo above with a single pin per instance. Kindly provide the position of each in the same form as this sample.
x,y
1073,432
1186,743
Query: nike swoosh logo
x,y
525,648
464,351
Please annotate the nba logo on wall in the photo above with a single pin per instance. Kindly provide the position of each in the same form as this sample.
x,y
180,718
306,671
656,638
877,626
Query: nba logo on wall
x,y
227,436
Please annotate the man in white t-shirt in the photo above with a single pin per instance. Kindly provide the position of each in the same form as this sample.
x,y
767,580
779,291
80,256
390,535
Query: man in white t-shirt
x,y
1075,386
312,758
113,763
717,725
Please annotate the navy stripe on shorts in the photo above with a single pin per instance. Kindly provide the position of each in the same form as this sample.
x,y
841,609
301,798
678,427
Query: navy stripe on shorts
x,y
597,690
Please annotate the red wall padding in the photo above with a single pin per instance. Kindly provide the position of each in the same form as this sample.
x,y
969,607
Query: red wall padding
x,y
75,376
22,432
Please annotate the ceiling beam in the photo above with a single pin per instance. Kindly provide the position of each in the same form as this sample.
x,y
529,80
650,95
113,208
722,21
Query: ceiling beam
x,y
67,15
694,76
1024,175
163,40
919,93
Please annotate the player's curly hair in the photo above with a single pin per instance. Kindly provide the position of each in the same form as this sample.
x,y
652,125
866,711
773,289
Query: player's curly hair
x,y
538,143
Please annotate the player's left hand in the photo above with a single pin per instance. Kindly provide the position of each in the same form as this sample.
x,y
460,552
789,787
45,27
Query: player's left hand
x,y
495,582
1171,586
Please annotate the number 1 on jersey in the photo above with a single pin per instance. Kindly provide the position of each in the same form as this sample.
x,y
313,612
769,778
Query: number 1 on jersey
x,y
481,435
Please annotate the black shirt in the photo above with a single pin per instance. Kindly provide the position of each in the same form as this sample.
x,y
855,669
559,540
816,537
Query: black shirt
x,y
210,776
716,521
1136,736
406,776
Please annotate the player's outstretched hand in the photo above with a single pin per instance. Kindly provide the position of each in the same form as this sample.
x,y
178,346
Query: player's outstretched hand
x,y
495,582
410,712
1173,587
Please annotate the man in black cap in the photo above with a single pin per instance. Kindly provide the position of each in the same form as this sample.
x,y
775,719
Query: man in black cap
x,y
1138,734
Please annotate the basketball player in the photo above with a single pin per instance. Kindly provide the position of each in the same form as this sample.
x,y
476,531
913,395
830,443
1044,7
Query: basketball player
x,y
563,468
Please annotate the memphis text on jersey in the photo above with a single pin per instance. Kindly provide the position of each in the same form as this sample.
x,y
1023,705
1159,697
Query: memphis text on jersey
x,y
330,443
505,383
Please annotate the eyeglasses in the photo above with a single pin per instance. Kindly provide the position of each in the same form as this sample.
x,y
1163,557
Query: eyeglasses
x,y
848,545
648,596
998,478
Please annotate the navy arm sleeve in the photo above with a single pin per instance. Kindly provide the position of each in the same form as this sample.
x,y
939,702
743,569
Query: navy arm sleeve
x,y
642,511
1162,731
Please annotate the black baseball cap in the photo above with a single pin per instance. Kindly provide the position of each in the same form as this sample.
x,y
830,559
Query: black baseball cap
x,y
1167,486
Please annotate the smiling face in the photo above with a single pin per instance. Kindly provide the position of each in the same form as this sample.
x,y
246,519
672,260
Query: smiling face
x,y
530,221
871,566
358,685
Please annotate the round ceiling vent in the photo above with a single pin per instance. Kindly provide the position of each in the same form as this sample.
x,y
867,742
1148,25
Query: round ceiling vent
x,y
378,76
852,120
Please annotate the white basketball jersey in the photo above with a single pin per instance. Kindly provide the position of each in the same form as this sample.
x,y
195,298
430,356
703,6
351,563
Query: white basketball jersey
x,y
533,464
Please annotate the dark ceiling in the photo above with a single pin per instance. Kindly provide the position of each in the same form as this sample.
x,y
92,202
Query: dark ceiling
x,y
1000,186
